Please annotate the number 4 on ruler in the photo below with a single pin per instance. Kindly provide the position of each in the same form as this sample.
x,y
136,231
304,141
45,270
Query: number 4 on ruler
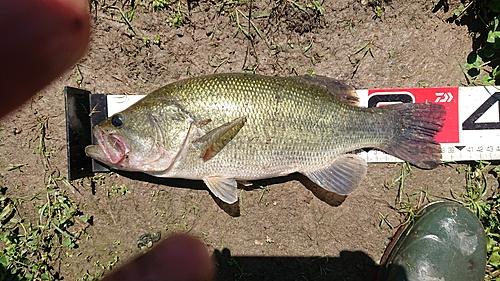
x,y
470,123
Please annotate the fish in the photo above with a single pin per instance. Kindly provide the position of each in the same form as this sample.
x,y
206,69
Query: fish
x,y
232,128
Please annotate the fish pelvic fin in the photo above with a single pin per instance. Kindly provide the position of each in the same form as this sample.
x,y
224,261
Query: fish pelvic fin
x,y
341,177
214,141
223,188
413,140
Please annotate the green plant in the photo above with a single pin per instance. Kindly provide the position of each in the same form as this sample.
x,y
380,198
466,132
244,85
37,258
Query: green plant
x,y
487,208
407,203
245,22
400,180
483,17
378,10
160,4
358,55
264,190
30,247
318,7
311,5
118,190
241,274
384,220
127,16
177,19
157,40
235,16
98,275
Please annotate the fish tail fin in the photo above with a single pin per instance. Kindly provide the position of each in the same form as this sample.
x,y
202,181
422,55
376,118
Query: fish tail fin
x,y
413,140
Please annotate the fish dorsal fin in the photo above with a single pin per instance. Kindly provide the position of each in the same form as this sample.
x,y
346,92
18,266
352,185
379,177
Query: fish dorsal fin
x,y
214,141
223,188
338,88
341,177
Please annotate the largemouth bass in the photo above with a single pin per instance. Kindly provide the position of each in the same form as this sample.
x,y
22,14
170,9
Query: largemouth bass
x,y
230,128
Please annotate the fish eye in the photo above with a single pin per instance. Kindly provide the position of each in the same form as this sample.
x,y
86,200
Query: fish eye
x,y
117,120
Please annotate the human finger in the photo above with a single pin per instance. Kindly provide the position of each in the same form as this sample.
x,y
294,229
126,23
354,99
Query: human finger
x,y
180,257
40,40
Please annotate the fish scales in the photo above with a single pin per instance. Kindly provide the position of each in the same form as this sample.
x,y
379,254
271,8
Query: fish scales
x,y
226,127
288,129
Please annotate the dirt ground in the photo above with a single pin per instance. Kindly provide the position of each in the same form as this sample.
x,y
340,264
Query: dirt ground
x,y
284,232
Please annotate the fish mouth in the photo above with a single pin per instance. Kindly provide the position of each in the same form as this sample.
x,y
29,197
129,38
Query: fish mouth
x,y
113,146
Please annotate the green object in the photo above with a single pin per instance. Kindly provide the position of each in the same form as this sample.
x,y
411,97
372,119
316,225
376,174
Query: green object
x,y
446,241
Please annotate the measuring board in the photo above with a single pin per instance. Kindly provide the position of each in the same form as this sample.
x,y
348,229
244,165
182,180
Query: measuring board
x,y
471,130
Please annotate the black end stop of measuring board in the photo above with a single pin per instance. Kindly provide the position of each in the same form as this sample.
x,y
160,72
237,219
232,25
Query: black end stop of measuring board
x,y
83,111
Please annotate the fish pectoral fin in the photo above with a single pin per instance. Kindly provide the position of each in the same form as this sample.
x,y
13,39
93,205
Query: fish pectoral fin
x,y
223,188
214,141
341,177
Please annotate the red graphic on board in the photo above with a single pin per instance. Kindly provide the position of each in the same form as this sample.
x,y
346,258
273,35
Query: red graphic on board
x,y
447,96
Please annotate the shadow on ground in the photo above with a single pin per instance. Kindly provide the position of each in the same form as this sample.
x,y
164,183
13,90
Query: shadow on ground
x,y
348,266
233,210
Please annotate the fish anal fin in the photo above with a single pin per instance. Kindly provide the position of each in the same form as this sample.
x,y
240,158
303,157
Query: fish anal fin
x,y
341,177
337,88
214,141
223,188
